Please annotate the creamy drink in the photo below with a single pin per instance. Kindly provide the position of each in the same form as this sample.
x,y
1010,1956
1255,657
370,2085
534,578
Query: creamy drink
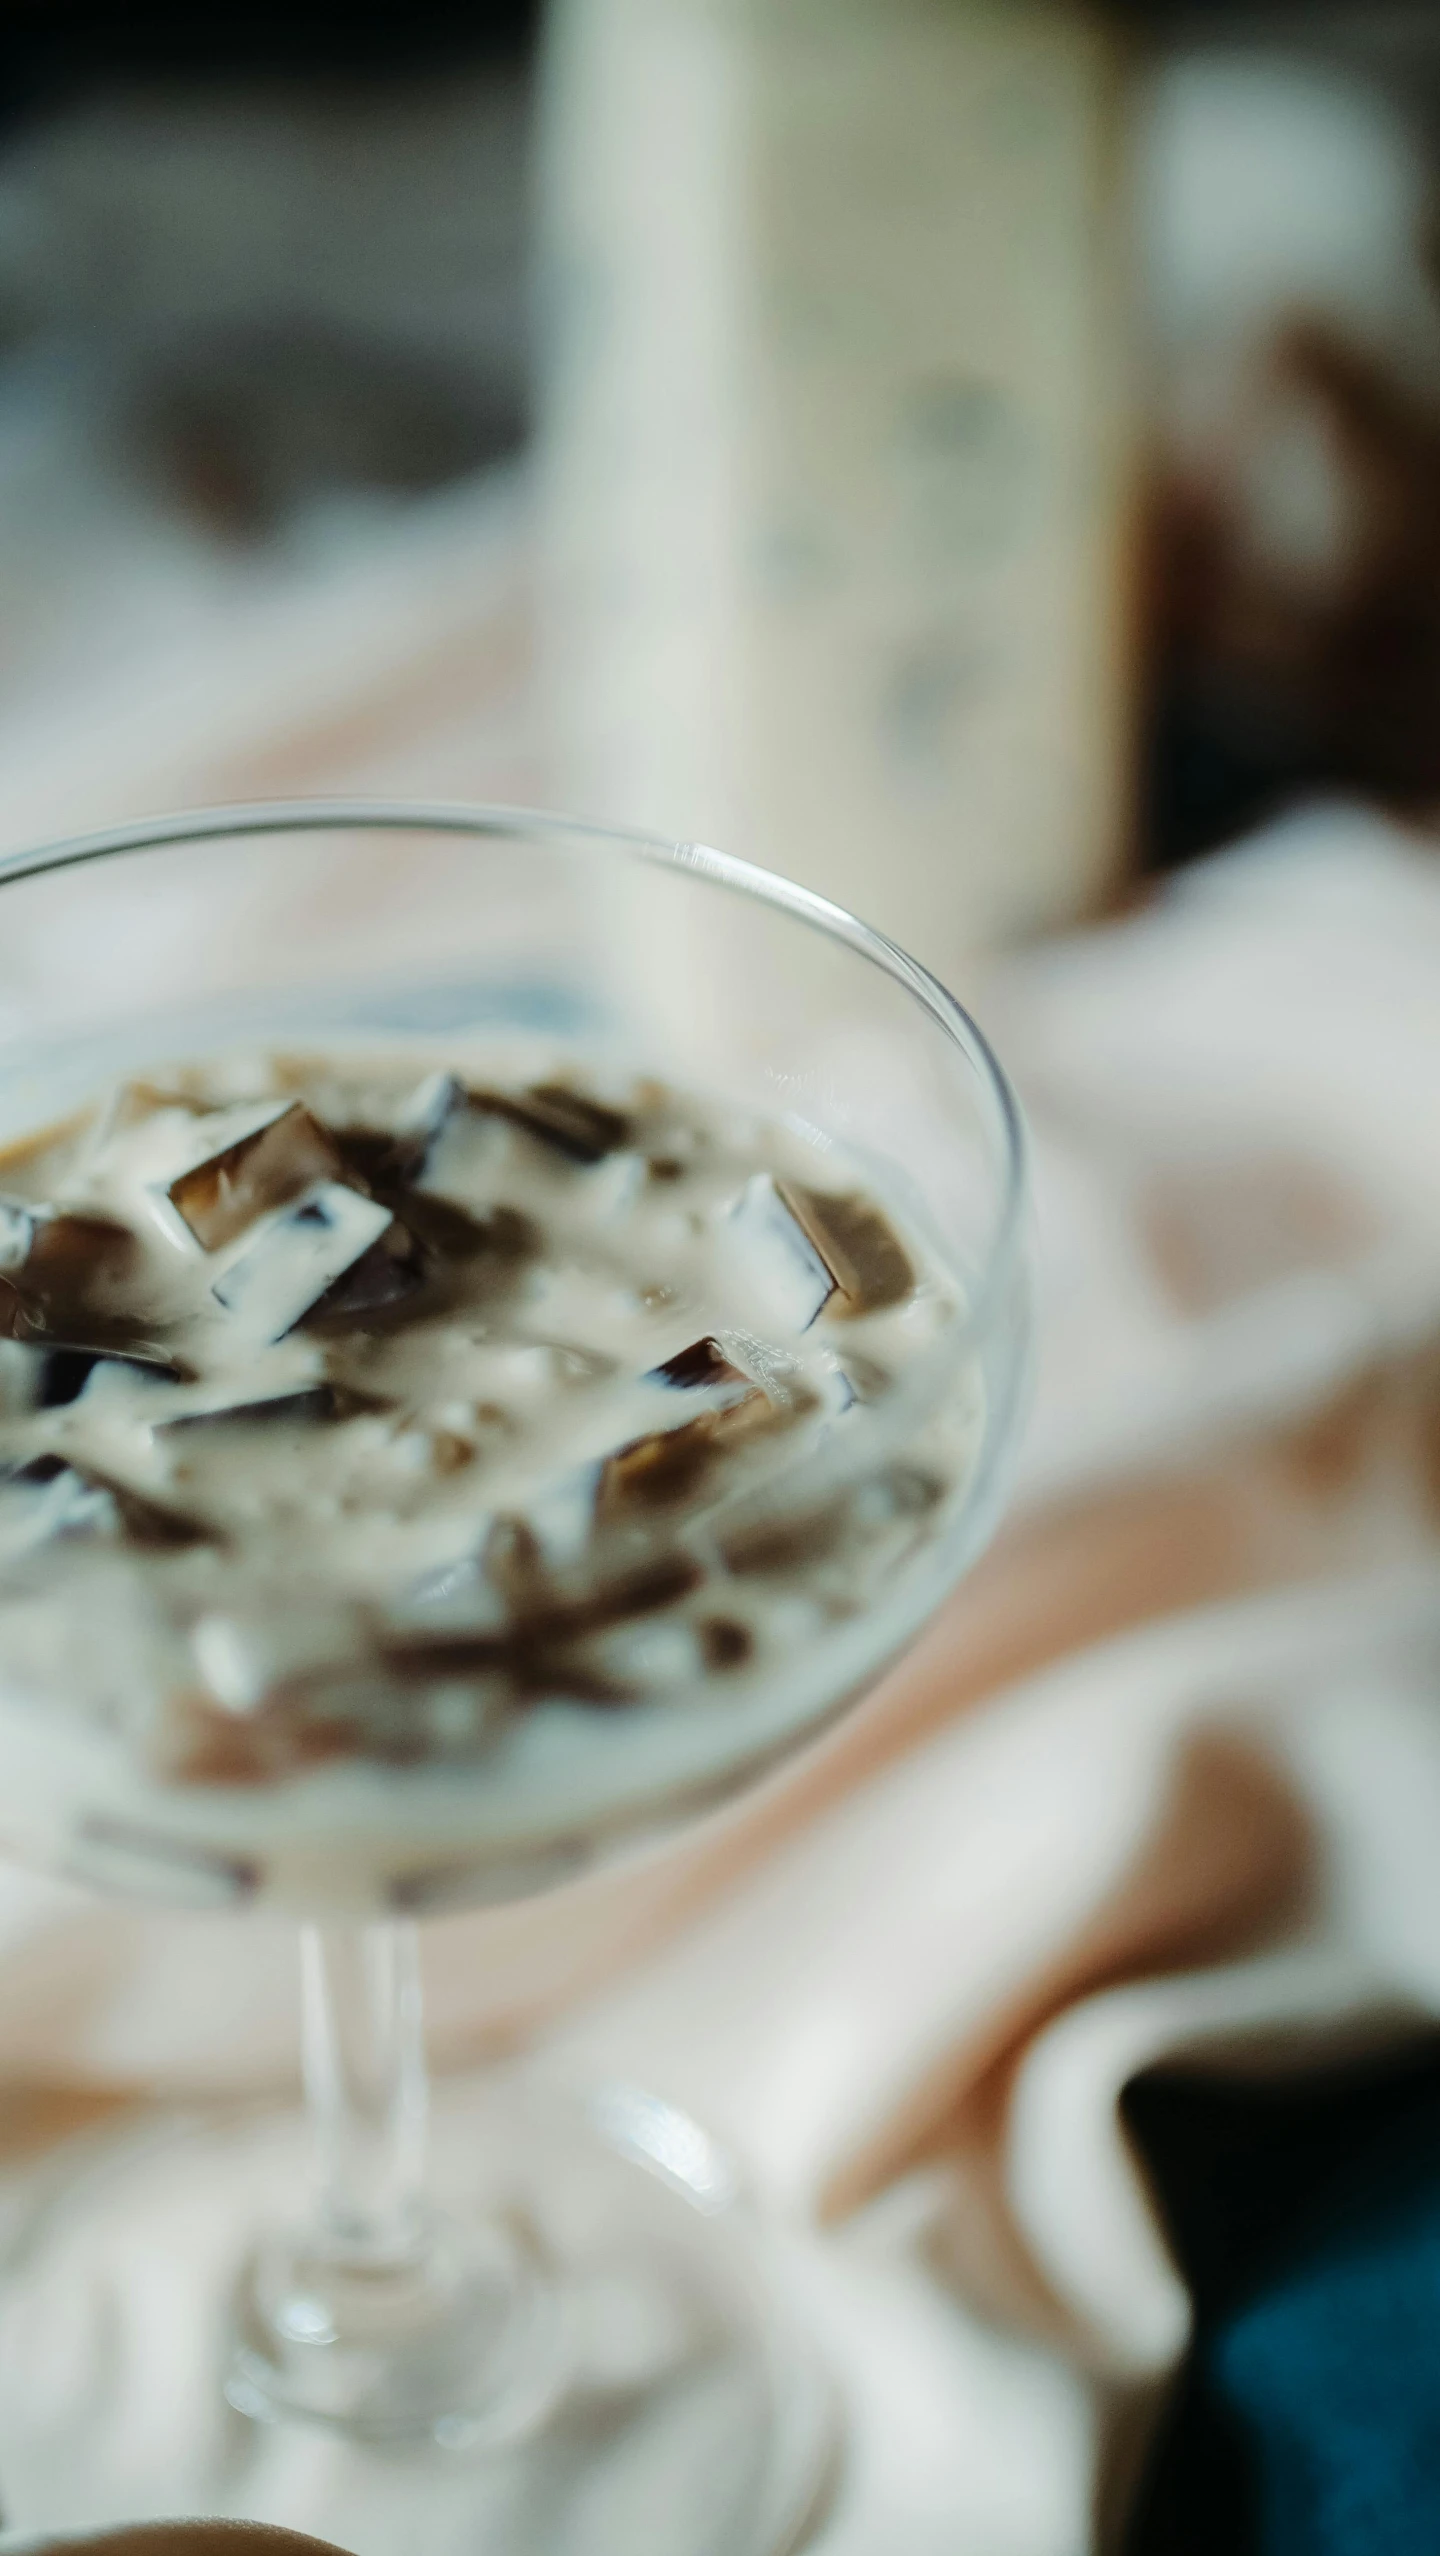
x,y
416,1469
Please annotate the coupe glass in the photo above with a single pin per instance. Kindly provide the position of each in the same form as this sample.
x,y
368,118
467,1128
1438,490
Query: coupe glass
x,y
500,2320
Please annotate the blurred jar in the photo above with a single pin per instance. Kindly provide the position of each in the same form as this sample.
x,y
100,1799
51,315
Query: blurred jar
x,y
833,460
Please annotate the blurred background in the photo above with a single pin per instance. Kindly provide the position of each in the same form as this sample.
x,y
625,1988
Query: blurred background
x,y
971,453
981,457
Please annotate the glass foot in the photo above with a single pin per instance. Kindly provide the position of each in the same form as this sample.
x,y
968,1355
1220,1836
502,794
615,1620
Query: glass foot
x,y
600,2357
463,2342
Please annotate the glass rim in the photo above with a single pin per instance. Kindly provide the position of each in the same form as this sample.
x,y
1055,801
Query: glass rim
x,y
701,860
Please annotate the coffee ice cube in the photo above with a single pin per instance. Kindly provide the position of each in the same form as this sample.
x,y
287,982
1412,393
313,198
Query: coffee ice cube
x,y
858,1246
703,1366
69,1285
393,1158
793,1275
392,1270
668,1464
456,1234
292,1266
257,1158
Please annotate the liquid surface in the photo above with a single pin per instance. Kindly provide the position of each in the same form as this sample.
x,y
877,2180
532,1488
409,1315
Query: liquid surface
x,y
386,1419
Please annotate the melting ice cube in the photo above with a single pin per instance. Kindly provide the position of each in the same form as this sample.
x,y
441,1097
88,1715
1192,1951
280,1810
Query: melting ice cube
x,y
702,1366
795,1278
395,1158
425,1117
257,1158
669,1464
299,1258
856,1244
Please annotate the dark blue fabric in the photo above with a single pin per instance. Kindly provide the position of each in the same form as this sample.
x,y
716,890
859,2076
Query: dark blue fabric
x,y
1306,2217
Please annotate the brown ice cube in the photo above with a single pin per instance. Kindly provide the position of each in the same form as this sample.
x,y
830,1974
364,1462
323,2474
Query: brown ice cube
x,y
703,1365
71,1270
858,1246
296,1264
391,1159
262,1157
454,1233
668,1464
585,1130
69,1292
792,1273
391,1271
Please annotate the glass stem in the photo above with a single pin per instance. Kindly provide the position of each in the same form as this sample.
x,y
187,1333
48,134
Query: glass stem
x,y
367,2089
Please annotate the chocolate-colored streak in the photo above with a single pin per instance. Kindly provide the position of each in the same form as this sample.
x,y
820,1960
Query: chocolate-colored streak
x,y
305,1406
575,1125
543,1627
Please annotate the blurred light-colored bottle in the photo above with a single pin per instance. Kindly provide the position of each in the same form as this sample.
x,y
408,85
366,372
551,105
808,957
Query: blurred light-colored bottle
x,y
834,472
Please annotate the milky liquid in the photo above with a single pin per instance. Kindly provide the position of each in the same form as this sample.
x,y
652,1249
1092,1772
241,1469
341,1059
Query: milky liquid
x,y
419,1471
